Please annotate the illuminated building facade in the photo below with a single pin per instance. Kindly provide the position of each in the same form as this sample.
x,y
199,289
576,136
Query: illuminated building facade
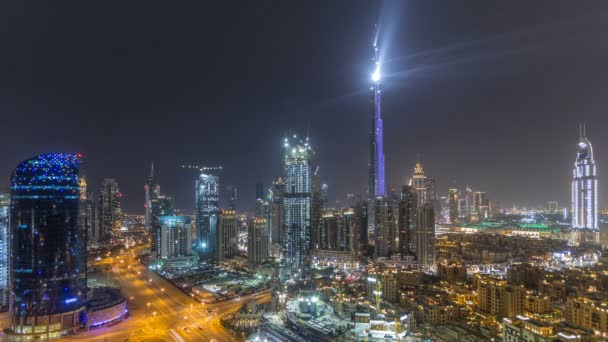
x,y
453,205
257,241
297,203
110,212
207,208
4,249
152,190
49,257
277,214
175,236
584,188
385,227
376,186
418,182
227,244
425,235
406,220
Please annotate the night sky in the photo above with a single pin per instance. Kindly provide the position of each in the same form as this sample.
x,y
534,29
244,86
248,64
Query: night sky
x,y
489,95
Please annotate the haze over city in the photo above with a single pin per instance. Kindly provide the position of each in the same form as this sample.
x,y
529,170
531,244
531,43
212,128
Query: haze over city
x,y
365,171
489,95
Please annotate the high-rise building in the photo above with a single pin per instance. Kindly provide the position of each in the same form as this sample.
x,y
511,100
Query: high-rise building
x,y
175,243
499,299
228,235
482,205
425,235
327,230
277,213
418,182
207,208
325,195
376,185
584,189
406,222
110,212
348,231
175,236
385,227
48,247
87,217
297,203
233,196
453,205
257,241
152,190
316,209
4,249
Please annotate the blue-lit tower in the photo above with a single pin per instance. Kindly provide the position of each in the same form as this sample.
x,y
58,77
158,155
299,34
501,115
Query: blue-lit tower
x,y
376,187
297,203
49,260
584,193
207,208
4,249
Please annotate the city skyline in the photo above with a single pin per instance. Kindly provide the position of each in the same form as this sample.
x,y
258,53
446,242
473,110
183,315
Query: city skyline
x,y
491,85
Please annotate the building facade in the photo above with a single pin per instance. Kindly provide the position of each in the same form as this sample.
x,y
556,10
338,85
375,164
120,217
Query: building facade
x,y
110,212
4,249
257,241
207,208
48,298
584,190
228,235
297,203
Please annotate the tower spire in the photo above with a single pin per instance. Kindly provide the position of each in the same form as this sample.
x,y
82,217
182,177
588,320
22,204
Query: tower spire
x,y
152,169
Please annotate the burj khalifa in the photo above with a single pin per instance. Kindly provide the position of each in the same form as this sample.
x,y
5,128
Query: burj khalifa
x,y
377,187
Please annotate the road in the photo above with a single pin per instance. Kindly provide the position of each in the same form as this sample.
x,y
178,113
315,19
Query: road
x,y
159,310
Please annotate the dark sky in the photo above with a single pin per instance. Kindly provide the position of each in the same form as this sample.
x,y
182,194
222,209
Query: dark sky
x,y
489,94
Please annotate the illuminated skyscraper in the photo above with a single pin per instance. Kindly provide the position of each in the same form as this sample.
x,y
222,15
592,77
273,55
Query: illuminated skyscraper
x,y
425,235
110,212
49,257
207,208
453,205
152,190
584,187
418,182
277,215
376,186
257,240
4,248
406,221
227,244
297,203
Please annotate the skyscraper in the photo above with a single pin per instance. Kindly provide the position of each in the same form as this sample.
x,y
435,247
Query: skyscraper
x,y
227,244
175,243
152,190
233,196
584,190
110,212
418,182
49,266
207,208
4,249
257,240
453,205
385,226
482,205
376,186
277,213
425,235
297,203
376,164
406,219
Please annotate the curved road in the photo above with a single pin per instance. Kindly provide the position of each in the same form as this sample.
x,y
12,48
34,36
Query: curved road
x,y
159,310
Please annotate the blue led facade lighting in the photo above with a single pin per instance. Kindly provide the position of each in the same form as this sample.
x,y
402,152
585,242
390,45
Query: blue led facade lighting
x,y
49,274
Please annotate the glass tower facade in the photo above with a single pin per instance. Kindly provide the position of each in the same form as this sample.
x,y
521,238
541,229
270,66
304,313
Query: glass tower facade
x,y
207,209
584,188
4,248
297,203
48,273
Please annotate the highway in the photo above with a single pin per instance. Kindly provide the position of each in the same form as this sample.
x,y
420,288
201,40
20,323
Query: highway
x,y
159,311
